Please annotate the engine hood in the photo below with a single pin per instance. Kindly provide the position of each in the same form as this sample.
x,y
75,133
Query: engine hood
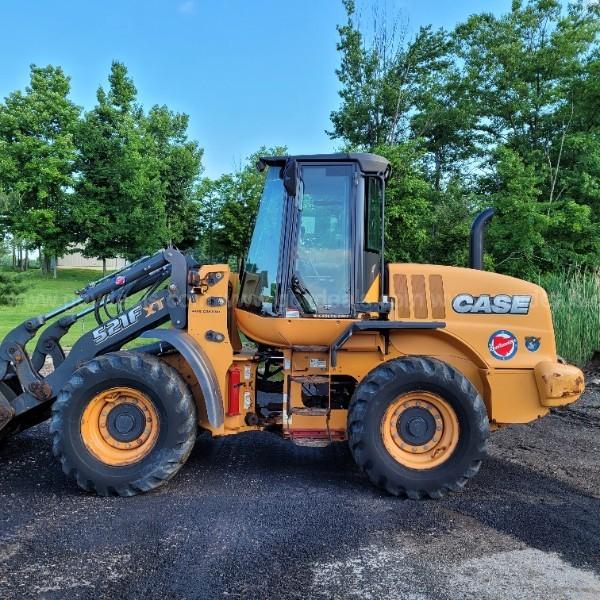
x,y
506,321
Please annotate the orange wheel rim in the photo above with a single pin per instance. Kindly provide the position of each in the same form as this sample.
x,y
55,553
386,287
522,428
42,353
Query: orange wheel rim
x,y
420,430
120,426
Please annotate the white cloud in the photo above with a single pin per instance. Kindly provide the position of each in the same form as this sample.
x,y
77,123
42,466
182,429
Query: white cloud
x,y
187,8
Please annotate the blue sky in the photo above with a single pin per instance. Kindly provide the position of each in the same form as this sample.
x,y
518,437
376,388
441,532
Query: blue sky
x,y
248,72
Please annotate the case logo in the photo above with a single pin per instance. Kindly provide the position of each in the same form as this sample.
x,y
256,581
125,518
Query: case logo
x,y
502,304
532,343
503,345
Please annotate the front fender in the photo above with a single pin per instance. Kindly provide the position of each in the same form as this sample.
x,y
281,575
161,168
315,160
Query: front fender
x,y
200,365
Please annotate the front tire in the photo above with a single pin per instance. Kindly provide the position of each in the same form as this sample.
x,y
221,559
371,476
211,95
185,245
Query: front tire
x,y
417,427
125,423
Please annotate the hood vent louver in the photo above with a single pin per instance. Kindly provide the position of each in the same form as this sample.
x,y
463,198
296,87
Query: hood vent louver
x,y
420,298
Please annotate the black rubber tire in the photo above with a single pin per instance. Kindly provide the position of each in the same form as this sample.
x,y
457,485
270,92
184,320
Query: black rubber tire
x,y
367,409
173,403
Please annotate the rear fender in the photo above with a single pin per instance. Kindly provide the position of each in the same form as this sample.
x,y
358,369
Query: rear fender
x,y
200,364
440,344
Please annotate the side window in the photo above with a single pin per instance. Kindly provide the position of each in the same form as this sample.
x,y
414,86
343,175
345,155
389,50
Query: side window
x,y
323,257
373,225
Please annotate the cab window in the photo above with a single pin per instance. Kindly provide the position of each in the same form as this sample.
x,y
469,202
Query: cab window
x,y
321,277
373,228
259,285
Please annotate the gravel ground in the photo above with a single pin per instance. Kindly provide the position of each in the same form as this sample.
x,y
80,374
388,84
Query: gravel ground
x,y
253,516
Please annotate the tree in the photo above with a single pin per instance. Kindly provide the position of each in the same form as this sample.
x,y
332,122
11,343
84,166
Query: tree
x,y
501,111
516,235
405,99
179,161
37,154
408,204
529,74
120,196
210,205
442,115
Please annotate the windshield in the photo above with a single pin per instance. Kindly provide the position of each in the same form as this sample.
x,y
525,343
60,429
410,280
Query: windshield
x,y
259,284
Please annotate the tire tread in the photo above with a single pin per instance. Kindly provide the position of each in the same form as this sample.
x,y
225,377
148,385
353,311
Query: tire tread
x,y
172,458
396,369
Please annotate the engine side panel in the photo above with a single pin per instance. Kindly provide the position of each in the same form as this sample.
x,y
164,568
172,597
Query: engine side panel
x,y
505,321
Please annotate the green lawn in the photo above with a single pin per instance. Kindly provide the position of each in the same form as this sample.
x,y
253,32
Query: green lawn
x,y
44,293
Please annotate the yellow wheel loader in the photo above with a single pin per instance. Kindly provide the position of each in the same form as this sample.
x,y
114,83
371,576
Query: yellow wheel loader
x,y
413,365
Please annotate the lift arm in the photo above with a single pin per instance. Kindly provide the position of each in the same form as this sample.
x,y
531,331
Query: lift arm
x,y
157,306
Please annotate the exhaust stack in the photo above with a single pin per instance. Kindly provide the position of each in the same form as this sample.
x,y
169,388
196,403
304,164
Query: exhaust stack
x,y
477,242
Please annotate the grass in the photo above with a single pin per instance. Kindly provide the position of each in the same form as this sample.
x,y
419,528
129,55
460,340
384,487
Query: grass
x,y
43,293
575,300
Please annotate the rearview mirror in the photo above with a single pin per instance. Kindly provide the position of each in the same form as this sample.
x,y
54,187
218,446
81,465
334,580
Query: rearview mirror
x,y
290,177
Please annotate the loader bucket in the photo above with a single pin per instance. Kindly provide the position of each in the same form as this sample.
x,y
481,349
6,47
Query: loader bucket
x,y
7,412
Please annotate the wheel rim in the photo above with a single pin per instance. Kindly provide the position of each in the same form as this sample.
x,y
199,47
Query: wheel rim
x,y
420,430
120,426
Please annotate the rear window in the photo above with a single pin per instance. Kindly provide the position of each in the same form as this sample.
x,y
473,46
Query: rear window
x,y
373,228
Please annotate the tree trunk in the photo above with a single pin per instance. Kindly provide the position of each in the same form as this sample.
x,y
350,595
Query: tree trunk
x,y
54,265
103,267
438,172
46,269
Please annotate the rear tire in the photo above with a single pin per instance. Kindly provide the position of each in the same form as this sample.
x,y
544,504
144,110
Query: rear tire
x,y
417,427
125,423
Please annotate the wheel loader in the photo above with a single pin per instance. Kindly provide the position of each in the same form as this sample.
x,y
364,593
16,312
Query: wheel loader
x,y
318,340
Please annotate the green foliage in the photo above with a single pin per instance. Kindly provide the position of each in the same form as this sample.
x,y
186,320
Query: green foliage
x,y
11,288
501,111
516,234
575,299
408,204
179,161
391,86
37,152
137,171
118,181
453,211
117,208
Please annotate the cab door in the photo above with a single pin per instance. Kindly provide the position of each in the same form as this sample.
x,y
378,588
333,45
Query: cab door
x,y
322,274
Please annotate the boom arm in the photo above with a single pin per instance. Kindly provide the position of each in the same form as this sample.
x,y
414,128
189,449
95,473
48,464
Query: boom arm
x,y
113,331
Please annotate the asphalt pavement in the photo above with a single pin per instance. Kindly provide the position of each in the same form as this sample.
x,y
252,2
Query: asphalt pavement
x,y
253,516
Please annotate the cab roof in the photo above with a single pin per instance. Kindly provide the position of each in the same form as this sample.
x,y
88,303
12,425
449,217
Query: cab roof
x,y
367,162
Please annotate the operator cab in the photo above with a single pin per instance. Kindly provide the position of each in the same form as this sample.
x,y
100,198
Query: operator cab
x,y
317,246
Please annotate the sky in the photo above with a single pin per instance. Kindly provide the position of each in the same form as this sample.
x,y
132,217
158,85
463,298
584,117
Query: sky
x,y
248,72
